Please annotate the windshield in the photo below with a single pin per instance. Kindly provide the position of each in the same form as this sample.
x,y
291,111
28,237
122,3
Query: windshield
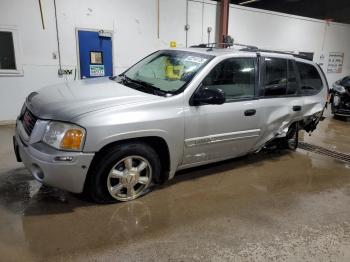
x,y
166,71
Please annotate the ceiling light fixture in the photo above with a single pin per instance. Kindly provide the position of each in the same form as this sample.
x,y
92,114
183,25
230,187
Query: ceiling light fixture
x,y
248,2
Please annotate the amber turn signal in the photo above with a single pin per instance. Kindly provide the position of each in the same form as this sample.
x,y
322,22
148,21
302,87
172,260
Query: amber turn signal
x,y
72,139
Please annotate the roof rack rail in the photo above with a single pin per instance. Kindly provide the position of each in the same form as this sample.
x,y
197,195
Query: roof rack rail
x,y
246,48
283,52
224,45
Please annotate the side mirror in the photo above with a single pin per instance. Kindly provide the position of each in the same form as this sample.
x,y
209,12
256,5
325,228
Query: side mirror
x,y
208,96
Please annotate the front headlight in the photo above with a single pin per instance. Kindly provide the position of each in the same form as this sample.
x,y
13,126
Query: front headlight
x,y
338,88
336,100
64,136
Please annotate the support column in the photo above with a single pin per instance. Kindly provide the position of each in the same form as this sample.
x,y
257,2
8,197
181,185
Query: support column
x,y
224,14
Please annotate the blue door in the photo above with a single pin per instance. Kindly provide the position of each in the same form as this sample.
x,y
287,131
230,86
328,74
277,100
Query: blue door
x,y
95,54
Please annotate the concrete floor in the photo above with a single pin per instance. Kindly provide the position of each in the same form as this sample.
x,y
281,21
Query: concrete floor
x,y
290,206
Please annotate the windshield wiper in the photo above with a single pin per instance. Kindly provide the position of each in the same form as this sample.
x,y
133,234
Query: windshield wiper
x,y
117,78
145,86
152,88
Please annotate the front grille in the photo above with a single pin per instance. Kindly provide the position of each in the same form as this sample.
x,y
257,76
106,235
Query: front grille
x,y
347,88
345,103
28,121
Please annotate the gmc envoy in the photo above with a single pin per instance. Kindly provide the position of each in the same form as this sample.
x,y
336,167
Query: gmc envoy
x,y
113,138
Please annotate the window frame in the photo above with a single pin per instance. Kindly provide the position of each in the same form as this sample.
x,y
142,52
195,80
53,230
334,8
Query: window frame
x,y
296,70
320,73
102,58
264,76
19,70
297,77
256,78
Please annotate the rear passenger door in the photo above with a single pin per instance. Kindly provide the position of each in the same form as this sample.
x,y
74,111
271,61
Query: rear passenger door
x,y
280,102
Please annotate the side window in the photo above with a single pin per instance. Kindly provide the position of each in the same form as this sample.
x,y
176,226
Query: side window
x,y
7,52
275,77
9,63
292,86
310,79
235,76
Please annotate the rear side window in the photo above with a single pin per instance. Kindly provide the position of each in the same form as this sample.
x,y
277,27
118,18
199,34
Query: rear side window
x,y
235,76
275,77
310,79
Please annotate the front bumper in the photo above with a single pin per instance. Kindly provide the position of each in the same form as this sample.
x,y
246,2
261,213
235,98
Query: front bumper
x,y
41,161
341,111
343,108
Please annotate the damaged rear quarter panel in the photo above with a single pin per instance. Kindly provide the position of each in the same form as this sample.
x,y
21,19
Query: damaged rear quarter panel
x,y
277,115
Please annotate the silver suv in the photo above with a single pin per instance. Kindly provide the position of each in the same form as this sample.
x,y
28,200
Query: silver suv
x,y
115,137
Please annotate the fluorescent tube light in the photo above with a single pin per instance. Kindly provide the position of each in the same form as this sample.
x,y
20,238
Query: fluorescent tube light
x,y
248,2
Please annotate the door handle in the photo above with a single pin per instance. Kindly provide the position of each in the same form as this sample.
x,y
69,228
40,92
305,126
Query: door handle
x,y
250,112
296,108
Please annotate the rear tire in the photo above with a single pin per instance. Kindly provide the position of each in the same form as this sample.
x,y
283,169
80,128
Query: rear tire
x,y
123,173
291,141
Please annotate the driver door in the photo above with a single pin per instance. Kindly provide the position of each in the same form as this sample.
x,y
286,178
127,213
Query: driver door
x,y
215,132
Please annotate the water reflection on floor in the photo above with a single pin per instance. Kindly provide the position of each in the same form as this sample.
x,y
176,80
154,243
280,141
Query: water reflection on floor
x,y
269,206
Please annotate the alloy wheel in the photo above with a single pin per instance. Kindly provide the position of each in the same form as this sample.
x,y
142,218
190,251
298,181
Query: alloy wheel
x,y
129,178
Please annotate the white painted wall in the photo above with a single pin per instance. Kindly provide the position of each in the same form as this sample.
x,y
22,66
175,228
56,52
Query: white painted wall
x,y
134,23
201,15
272,30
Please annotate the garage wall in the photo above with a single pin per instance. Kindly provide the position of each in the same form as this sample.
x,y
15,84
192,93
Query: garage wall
x,y
201,15
272,30
35,48
134,23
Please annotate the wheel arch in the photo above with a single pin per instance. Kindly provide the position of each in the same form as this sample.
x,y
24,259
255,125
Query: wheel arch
x,y
157,143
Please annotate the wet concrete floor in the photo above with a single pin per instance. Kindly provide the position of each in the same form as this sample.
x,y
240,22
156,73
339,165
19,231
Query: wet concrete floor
x,y
287,206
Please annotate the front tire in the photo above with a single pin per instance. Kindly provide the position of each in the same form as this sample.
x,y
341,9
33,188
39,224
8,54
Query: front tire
x,y
123,173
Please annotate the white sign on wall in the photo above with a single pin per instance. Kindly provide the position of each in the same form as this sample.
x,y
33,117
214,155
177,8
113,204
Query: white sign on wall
x,y
97,70
322,60
335,62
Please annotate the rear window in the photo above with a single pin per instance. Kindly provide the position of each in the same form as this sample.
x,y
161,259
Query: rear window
x,y
310,79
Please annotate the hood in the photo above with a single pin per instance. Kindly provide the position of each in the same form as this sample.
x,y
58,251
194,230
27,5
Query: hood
x,y
345,82
67,101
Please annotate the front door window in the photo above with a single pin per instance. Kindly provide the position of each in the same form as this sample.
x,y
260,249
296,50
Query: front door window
x,y
235,76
